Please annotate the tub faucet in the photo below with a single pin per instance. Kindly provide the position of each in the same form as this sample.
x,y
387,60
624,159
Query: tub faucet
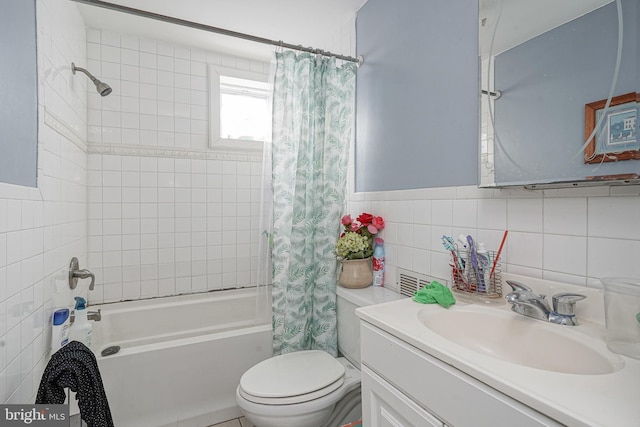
x,y
95,315
524,301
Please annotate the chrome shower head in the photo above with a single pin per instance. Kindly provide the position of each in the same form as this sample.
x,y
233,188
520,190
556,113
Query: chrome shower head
x,y
102,88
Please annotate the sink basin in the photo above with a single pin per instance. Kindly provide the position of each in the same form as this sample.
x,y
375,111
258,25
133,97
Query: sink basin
x,y
521,340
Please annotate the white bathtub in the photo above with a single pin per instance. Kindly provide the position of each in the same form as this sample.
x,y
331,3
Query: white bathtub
x,y
181,357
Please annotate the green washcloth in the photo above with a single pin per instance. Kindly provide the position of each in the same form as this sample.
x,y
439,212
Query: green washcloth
x,y
435,292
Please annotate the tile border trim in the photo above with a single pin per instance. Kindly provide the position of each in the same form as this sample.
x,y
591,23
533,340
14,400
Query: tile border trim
x,y
64,129
147,151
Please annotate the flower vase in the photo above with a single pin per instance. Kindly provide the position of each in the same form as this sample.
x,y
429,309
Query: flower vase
x,y
356,273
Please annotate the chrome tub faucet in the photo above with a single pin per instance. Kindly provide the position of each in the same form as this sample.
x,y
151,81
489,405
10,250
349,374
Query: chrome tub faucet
x,y
524,301
95,315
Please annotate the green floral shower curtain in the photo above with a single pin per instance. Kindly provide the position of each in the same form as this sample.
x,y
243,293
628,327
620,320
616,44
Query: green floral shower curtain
x,y
313,110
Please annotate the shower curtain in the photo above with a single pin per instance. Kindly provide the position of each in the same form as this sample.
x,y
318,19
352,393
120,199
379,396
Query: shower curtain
x,y
313,114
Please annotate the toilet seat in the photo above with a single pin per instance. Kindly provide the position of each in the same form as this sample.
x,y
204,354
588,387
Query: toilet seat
x,y
292,378
289,400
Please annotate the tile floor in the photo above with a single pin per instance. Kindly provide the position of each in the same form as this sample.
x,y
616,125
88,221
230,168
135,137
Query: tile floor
x,y
238,422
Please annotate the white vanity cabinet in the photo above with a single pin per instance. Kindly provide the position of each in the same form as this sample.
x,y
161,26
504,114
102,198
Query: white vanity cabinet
x,y
385,406
403,386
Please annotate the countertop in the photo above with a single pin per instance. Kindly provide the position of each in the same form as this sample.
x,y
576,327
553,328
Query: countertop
x,y
605,400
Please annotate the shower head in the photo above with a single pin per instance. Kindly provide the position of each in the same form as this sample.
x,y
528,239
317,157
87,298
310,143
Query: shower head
x,y
102,88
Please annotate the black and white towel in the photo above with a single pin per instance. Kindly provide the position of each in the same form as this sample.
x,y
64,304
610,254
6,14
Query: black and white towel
x,y
75,366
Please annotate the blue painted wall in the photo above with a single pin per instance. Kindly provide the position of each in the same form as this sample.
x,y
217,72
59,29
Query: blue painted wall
x,y
18,93
417,94
546,83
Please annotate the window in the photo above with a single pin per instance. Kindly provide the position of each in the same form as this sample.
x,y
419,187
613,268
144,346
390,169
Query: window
x,y
240,109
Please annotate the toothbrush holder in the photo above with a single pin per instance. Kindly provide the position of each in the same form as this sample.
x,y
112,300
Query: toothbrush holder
x,y
475,284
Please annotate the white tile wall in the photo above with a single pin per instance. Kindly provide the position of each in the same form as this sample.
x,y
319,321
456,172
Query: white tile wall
x,y
160,94
163,226
42,228
164,222
574,236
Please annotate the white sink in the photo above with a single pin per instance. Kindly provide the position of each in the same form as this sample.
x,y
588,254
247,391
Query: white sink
x,y
521,340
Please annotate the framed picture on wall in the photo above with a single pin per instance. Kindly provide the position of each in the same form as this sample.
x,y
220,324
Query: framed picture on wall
x,y
617,135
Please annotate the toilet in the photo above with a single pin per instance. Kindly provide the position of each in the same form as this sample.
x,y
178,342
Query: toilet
x,y
311,388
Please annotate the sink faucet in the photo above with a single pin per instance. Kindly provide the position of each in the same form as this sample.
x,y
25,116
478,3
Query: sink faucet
x,y
524,301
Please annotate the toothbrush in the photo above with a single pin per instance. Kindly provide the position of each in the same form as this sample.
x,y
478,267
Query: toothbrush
x,y
483,263
474,258
495,260
450,245
463,241
458,262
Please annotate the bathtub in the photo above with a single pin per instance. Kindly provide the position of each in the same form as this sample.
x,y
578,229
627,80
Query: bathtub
x,y
181,357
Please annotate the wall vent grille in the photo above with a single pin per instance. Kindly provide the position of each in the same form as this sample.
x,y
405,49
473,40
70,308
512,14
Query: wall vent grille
x,y
409,282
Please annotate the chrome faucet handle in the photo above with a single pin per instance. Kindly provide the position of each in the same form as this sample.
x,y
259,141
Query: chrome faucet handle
x,y
75,273
564,303
86,274
517,286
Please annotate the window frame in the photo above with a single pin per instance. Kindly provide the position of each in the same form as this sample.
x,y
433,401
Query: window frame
x,y
215,141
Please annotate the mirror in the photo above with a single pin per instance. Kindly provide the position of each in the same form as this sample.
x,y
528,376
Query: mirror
x,y
548,60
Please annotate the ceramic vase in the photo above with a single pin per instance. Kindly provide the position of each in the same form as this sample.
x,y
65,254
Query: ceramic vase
x,y
356,273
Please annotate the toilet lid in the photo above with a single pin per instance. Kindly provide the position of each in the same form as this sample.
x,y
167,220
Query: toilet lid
x,y
300,398
293,374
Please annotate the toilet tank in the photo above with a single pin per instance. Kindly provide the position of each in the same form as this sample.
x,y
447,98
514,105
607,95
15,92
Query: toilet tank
x,y
349,324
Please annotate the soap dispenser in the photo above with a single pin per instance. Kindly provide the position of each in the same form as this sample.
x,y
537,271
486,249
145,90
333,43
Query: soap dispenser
x,y
60,329
81,327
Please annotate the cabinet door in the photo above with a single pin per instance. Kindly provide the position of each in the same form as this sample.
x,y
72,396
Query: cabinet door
x,y
385,406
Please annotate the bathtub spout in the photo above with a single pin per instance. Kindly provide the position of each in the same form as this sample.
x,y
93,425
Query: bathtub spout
x,y
91,315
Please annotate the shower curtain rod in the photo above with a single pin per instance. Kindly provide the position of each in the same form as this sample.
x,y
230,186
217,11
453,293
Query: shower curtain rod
x,y
138,12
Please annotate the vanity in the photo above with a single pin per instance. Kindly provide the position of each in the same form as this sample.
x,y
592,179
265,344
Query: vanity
x,y
481,365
